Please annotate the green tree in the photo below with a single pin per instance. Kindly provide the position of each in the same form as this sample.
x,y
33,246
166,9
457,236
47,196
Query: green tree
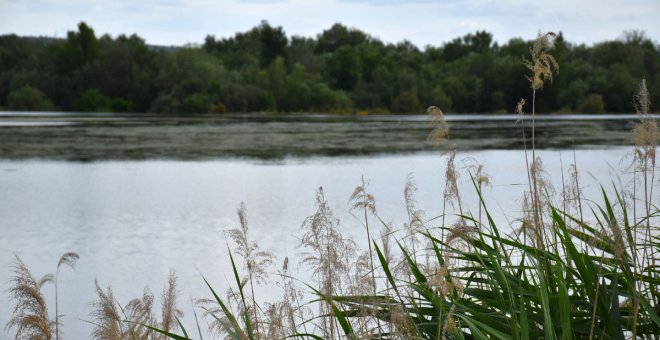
x,y
80,48
573,94
124,69
189,81
273,43
337,36
342,68
406,102
479,42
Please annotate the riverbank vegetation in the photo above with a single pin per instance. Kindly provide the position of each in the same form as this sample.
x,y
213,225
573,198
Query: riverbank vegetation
x,y
568,267
341,70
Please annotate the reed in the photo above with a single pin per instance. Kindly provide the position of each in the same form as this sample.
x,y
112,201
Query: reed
x,y
136,319
30,314
255,260
328,255
68,259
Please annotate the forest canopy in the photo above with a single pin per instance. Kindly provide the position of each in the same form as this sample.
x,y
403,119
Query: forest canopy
x,y
341,70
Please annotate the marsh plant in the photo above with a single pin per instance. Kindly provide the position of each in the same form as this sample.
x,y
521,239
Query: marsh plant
x,y
542,66
256,261
567,267
328,255
136,319
30,315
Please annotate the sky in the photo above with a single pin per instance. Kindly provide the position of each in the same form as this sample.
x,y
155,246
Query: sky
x,y
422,22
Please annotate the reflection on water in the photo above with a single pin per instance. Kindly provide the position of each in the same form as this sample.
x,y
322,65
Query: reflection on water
x,y
88,137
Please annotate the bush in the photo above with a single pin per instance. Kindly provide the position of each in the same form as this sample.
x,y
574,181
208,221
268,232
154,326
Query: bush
x,y
594,103
195,103
217,108
406,102
28,98
95,101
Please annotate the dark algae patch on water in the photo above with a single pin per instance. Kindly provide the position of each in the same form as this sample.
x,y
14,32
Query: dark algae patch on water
x,y
136,137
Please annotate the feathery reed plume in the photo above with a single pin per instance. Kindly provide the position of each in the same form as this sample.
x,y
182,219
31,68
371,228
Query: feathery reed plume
x,y
445,284
169,311
400,320
327,253
386,243
451,193
449,329
415,223
480,177
68,259
617,240
542,64
438,280
139,312
520,109
255,261
543,178
459,231
645,135
539,197
111,321
526,220
641,100
30,315
458,237
363,200
362,285
415,216
572,192
645,132
107,320
275,322
361,282
440,132
290,304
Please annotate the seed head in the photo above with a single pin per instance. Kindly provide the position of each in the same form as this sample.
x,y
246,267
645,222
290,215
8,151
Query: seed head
x,y
440,133
542,64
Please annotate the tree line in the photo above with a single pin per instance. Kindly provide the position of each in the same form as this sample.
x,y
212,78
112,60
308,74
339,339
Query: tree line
x,y
341,70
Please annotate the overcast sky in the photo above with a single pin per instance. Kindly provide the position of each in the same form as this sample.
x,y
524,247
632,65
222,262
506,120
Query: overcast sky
x,y
423,22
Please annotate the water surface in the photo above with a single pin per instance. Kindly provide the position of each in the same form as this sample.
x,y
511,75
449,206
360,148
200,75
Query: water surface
x,y
154,195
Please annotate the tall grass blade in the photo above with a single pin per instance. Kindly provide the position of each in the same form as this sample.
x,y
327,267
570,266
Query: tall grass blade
x,y
248,322
338,314
168,334
233,328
